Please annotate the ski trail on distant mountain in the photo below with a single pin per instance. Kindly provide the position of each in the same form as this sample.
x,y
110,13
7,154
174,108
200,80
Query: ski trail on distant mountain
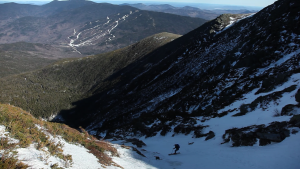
x,y
95,31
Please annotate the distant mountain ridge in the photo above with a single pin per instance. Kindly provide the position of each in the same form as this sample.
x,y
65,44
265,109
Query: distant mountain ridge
x,y
87,27
188,10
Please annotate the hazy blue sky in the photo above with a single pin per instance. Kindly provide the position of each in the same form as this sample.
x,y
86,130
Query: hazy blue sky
x,y
260,3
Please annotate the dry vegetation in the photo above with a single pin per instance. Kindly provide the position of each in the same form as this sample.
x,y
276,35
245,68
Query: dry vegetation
x,y
23,126
9,161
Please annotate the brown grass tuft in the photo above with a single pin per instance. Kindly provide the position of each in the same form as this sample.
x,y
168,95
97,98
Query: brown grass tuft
x,y
107,147
8,160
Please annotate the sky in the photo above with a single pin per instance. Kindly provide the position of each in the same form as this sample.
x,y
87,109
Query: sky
x,y
258,3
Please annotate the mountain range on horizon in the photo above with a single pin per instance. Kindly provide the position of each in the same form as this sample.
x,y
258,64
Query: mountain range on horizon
x,y
206,6
191,11
104,28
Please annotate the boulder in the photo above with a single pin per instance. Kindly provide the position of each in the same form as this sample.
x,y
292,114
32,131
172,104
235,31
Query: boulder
x,y
270,136
247,136
297,96
210,135
263,142
294,131
286,133
248,139
240,138
295,121
289,110
198,134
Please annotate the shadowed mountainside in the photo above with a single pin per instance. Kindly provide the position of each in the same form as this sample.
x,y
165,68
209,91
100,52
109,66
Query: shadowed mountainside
x,y
47,91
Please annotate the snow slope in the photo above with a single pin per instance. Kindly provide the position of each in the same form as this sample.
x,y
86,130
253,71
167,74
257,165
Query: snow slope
x,y
212,154
81,158
34,158
202,154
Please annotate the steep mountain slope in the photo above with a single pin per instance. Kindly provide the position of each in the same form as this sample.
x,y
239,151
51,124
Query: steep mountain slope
x,y
93,29
21,57
202,73
47,91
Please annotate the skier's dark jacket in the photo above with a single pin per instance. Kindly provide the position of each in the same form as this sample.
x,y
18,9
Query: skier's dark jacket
x,y
177,146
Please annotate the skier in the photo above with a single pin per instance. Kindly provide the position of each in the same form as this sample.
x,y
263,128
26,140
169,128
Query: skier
x,y
176,147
